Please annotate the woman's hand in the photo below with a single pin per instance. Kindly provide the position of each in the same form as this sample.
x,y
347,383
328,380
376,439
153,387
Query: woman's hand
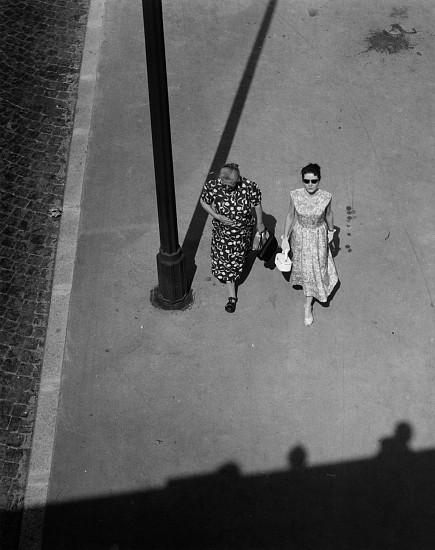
x,y
285,245
330,235
224,219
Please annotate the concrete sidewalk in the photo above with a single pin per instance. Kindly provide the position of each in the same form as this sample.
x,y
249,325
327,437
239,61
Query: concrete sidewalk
x,y
148,395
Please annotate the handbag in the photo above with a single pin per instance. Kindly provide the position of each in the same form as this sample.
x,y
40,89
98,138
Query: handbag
x,y
283,262
267,246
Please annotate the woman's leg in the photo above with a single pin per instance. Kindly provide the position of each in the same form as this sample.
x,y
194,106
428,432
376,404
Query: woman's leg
x,y
231,286
232,299
308,311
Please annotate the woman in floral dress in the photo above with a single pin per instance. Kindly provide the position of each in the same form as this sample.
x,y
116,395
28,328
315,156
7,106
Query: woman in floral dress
x,y
311,225
229,200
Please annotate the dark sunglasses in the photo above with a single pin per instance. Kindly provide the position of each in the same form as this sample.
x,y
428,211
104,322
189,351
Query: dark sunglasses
x,y
310,181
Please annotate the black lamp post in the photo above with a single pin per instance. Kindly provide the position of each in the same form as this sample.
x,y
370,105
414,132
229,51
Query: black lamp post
x,y
172,291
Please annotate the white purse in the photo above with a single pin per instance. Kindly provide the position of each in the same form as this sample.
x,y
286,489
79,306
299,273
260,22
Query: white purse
x,y
283,262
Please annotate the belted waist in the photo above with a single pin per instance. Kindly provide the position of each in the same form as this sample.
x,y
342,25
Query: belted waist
x,y
242,225
309,223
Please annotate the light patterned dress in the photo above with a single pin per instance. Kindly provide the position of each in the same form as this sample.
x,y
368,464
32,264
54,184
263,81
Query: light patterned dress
x,y
313,266
230,244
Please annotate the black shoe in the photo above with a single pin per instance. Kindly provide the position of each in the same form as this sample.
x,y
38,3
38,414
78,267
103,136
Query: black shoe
x,y
231,305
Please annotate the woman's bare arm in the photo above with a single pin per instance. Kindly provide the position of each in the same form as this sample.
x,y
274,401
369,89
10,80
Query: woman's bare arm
x,y
259,215
329,217
290,220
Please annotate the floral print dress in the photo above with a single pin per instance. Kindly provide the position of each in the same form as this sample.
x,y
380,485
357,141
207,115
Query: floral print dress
x,y
313,266
230,244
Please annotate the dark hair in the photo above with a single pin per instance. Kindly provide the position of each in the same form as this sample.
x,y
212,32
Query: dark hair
x,y
311,169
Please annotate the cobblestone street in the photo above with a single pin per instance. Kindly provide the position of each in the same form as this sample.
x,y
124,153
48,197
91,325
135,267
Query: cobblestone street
x,y
41,44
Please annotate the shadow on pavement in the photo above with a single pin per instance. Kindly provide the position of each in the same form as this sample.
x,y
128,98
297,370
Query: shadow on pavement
x,y
199,218
270,223
335,243
385,503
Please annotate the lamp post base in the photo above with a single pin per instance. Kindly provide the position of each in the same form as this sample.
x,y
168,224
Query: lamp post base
x,y
159,302
172,292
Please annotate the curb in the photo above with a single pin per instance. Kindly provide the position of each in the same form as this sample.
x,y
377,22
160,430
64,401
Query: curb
x,y
48,399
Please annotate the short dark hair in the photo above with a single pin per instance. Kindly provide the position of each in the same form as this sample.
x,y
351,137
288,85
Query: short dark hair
x,y
311,169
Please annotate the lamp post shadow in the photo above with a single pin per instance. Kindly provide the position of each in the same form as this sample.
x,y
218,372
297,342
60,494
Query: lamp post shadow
x,y
199,218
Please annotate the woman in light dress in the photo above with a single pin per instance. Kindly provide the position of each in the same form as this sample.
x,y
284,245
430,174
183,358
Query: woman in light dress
x,y
310,223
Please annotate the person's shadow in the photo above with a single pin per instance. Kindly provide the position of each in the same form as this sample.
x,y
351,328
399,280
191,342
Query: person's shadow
x,y
396,500
270,222
298,459
334,246
335,243
396,448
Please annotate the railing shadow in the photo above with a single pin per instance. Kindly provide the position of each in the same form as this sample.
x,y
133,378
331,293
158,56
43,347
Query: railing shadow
x,y
197,224
382,503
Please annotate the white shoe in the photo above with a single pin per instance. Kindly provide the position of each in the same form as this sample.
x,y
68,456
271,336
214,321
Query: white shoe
x,y
308,316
